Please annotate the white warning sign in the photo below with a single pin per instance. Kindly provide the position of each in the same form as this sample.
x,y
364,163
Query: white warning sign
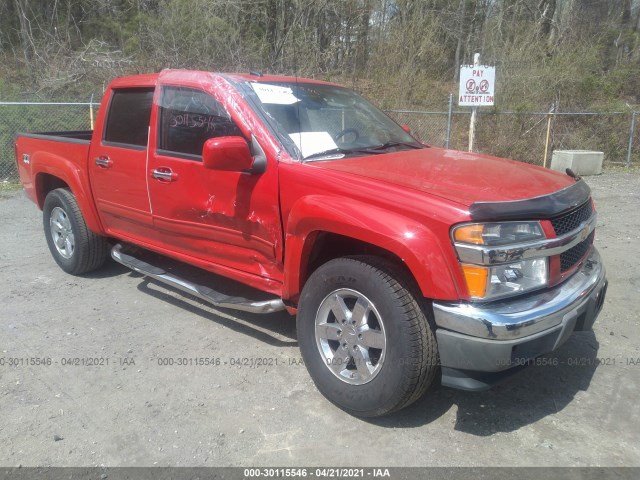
x,y
477,85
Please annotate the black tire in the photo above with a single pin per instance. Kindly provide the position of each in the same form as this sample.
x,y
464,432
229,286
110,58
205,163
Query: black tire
x,y
410,353
86,251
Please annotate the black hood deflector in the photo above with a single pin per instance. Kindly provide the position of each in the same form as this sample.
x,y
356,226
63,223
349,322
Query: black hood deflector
x,y
537,208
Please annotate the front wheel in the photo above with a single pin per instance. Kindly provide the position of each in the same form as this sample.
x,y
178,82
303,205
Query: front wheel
x,y
364,338
74,247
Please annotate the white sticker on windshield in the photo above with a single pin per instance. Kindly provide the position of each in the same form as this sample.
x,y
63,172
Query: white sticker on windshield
x,y
268,93
313,142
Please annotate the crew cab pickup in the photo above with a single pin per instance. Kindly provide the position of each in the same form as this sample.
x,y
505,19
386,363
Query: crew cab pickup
x,y
404,264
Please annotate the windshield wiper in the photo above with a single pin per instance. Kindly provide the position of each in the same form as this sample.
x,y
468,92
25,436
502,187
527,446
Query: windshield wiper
x,y
387,145
342,151
327,153
374,150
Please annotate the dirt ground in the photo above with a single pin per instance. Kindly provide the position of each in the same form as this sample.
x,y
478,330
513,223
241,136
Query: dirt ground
x,y
132,409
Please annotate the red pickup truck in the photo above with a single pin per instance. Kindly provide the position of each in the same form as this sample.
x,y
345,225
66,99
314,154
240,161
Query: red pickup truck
x,y
405,264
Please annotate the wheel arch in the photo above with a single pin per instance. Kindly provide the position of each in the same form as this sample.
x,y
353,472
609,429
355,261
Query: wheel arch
x,y
319,230
45,183
60,173
325,246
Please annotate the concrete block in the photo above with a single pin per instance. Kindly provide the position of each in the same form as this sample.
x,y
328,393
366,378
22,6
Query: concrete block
x,y
582,162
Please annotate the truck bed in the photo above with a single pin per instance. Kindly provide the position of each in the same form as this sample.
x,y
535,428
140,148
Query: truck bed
x,y
49,153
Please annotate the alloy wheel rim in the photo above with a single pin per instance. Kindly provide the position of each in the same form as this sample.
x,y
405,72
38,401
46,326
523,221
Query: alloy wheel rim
x,y
350,336
62,233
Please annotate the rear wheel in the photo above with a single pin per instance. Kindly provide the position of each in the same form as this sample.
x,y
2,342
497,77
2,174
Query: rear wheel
x,y
74,247
364,338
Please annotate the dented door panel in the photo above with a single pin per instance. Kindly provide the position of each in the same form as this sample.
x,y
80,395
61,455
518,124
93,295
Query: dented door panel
x,y
226,218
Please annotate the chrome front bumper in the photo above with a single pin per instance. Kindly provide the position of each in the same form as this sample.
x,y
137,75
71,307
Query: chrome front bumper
x,y
497,336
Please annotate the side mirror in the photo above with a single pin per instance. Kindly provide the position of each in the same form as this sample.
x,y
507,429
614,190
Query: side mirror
x,y
231,154
406,128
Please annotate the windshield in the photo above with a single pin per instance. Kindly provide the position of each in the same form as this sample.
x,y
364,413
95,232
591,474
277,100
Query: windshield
x,y
322,122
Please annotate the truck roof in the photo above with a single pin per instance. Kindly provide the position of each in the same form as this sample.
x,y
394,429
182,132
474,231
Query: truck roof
x,y
273,78
145,80
151,79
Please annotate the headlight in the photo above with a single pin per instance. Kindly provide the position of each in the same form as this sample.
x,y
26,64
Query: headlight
x,y
494,234
496,281
486,283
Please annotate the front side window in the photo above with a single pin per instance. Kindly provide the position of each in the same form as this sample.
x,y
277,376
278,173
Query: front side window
x,y
188,118
128,117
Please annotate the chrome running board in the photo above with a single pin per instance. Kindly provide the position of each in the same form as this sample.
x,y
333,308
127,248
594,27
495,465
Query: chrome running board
x,y
205,293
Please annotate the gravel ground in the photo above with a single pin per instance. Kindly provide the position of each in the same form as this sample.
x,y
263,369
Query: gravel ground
x,y
131,410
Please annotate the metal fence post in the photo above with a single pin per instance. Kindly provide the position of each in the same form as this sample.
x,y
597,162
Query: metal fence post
x,y
546,142
91,112
632,132
447,140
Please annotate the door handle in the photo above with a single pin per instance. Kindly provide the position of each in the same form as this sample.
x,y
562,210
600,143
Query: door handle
x,y
104,162
164,174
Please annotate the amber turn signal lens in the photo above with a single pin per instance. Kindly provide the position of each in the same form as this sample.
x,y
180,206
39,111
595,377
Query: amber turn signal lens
x,y
469,234
476,278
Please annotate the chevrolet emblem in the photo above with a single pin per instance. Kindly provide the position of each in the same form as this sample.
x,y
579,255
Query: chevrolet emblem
x,y
585,232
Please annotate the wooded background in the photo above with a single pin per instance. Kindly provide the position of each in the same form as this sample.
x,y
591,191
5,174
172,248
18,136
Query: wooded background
x,y
582,54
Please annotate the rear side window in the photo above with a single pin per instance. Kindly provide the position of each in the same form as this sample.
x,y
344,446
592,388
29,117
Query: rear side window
x,y
128,117
188,118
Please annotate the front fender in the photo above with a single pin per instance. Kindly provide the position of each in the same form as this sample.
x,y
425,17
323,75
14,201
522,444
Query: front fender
x,y
77,180
411,241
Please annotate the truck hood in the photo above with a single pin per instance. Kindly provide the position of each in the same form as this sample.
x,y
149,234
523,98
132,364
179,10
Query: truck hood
x,y
461,177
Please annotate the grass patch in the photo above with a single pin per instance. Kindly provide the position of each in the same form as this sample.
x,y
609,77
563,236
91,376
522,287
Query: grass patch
x,y
621,168
8,186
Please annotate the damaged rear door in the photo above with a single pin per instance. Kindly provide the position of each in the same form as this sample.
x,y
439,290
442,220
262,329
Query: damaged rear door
x,y
227,218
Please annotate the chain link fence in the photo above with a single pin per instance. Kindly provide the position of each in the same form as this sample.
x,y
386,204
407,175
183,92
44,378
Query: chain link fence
x,y
36,117
521,136
430,127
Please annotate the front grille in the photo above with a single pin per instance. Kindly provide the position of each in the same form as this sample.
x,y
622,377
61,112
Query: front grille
x,y
572,256
572,220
